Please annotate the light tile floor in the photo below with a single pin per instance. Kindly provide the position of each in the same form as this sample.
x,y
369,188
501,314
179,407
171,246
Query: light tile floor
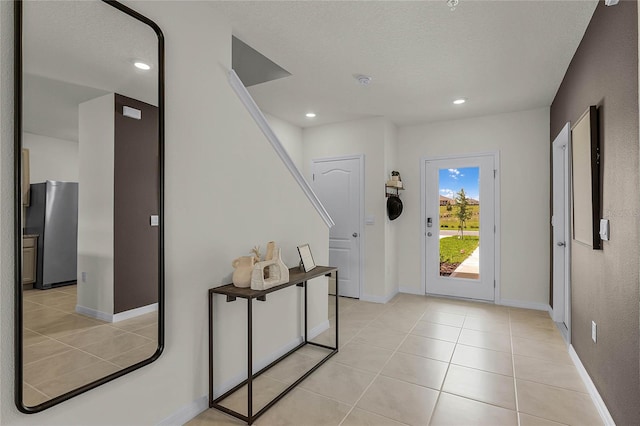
x,y
427,361
63,350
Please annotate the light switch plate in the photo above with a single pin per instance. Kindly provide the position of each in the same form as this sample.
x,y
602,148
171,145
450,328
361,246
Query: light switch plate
x,y
594,332
155,220
370,220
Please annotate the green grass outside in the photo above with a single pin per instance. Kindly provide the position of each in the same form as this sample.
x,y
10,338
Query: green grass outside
x,y
448,219
455,250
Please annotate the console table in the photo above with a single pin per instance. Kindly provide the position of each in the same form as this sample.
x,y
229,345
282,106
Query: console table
x,y
232,293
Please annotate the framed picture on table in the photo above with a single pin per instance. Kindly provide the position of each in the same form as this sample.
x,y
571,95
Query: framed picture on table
x,y
306,257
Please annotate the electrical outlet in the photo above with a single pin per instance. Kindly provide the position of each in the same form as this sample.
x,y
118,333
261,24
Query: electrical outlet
x,y
83,276
594,332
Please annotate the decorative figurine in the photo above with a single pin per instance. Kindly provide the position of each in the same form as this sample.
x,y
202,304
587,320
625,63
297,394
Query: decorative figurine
x,y
243,270
269,273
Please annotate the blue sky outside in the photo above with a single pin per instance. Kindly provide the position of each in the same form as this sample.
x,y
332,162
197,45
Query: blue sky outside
x,y
451,180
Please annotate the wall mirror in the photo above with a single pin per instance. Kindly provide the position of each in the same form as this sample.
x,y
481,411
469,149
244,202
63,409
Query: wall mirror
x,y
89,194
585,169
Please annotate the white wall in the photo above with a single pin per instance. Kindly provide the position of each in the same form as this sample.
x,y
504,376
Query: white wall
x,y
51,158
96,139
290,136
522,138
207,223
359,137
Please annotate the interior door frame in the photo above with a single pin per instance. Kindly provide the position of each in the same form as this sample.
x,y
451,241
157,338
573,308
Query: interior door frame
x,y
362,245
563,294
496,201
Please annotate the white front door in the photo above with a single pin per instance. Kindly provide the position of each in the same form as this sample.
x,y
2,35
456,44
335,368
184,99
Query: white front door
x,y
560,221
460,226
337,183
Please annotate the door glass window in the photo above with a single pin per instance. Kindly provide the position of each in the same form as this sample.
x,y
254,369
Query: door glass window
x,y
459,222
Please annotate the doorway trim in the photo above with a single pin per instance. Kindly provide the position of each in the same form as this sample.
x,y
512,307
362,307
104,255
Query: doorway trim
x,y
361,158
496,200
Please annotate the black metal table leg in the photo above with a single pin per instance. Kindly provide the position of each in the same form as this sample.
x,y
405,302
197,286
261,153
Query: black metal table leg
x,y
337,313
305,311
210,349
249,362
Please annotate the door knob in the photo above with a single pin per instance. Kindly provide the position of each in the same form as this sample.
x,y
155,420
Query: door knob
x,y
429,234
355,235
561,244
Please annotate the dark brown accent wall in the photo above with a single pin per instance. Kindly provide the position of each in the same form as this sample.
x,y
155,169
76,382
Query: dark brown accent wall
x,y
136,189
605,283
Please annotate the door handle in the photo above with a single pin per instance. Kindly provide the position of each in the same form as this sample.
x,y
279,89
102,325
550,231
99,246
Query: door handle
x,y
355,235
561,244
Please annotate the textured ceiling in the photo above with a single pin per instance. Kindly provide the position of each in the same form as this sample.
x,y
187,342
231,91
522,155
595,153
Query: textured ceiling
x,y
501,55
76,50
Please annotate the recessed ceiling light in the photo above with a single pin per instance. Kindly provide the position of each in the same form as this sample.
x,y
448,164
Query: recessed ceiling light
x,y
142,66
460,101
310,115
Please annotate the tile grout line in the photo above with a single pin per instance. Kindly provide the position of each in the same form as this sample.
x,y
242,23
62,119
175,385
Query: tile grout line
x,y
387,362
374,377
462,328
69,347
513,370
511,320
448,367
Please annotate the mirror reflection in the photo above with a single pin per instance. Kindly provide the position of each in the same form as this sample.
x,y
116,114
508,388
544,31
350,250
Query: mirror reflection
x,y
90,195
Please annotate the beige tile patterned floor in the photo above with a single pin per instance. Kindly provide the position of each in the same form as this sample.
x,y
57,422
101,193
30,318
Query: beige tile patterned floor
x,y
63,350
421,360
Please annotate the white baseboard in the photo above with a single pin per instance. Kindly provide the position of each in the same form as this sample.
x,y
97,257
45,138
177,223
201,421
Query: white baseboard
x,y
524,304
186,412
591,388
121,316
318,329
94,313
378,299
409,290
132,313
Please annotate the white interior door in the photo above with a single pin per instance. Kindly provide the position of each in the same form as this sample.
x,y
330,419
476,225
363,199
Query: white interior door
x,y
561,227
460,255
337,183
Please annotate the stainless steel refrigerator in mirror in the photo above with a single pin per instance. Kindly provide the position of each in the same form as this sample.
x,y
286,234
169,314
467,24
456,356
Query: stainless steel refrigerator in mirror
x,y
53,216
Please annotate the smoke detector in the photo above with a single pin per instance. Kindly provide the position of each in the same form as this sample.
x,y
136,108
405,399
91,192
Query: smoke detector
x,y
363,80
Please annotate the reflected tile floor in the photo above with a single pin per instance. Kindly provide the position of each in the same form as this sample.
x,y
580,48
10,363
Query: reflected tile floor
x,y
421,360
63,350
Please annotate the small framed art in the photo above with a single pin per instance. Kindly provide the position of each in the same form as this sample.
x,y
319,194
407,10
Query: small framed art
x,y
306,258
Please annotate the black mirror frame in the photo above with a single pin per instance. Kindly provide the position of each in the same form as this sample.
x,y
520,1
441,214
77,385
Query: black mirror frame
x,y
18,385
